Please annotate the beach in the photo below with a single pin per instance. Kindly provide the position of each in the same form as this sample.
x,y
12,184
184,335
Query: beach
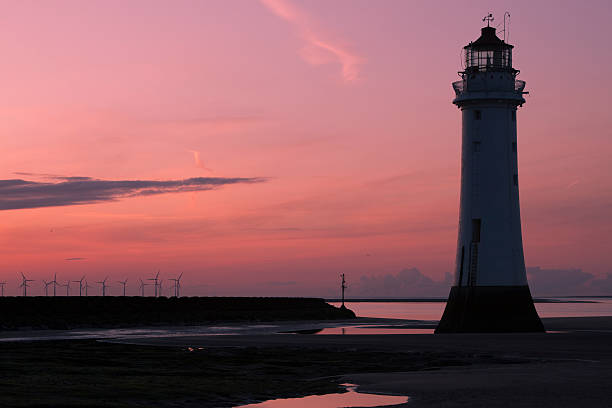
x,y
568,366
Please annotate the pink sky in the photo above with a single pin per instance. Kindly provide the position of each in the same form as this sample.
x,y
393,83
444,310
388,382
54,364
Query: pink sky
x,y
344,107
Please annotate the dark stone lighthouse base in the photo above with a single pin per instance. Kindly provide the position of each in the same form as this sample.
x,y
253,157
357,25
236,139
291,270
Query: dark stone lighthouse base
x,y
490,309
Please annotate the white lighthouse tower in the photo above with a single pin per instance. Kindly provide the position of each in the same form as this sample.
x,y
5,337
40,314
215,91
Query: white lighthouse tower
x,y
490,292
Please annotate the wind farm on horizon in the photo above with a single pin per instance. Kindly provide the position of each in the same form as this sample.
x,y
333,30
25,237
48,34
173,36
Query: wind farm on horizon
x,y
25,286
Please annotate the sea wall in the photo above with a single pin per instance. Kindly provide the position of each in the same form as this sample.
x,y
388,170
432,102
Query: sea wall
x,y
62,312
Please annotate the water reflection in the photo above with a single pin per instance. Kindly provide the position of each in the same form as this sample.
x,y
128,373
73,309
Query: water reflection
x,y
418,318
546,307
373,330
351,398
140,333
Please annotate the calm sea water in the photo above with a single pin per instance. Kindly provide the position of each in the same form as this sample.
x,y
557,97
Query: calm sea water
x,y
423,311
558,307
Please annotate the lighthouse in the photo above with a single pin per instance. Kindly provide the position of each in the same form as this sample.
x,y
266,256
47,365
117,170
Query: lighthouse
x,y
490,292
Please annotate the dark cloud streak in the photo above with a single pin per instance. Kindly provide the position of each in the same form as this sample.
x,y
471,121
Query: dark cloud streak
x,y
21,194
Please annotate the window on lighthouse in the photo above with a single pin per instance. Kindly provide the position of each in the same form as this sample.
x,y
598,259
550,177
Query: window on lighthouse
x,y
477,115
476,229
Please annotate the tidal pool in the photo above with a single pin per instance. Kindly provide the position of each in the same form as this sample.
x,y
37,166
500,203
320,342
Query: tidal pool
x,y
351,398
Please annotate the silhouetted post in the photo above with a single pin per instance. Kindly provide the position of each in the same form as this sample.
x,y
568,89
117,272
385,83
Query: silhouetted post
x,y
343,285
2,288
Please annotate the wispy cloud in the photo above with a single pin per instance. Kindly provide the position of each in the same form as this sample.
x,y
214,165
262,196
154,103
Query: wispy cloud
x,y
281,283
19,194
215,124
75,259
198,161
318,49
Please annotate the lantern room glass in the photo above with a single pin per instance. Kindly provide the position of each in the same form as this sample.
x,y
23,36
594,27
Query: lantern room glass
x,y
483,59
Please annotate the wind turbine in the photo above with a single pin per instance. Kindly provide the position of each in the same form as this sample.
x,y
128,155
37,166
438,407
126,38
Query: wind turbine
x,y
67,286
24,284
80,284
103,286
142,286
2,286
54,282
155,279
86,286
47,287
177,285
123,283
159,291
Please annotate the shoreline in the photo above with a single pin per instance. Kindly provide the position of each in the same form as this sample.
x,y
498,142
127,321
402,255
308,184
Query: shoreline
x,y
552,299
141,334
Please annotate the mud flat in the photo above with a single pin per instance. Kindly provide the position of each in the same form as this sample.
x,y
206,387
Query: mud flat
x,y
569,367
89,373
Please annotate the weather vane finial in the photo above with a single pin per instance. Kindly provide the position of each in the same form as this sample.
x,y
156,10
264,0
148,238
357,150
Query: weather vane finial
x,y
488,18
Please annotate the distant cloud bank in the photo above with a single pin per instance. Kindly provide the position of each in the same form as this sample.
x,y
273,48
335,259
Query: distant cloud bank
x,y
407,283
411,282
570,282
63,191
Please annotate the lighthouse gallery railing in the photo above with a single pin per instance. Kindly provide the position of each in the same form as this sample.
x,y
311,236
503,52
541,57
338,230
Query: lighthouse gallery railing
x,y
462,86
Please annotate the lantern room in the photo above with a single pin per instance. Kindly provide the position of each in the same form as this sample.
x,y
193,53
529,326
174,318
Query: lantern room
x,y
488,53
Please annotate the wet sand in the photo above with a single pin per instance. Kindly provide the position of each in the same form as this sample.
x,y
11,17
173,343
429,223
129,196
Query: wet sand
x,y
569,366
572,369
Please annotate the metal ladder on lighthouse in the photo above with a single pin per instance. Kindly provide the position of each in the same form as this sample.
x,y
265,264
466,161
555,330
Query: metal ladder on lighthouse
x,y
473,263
